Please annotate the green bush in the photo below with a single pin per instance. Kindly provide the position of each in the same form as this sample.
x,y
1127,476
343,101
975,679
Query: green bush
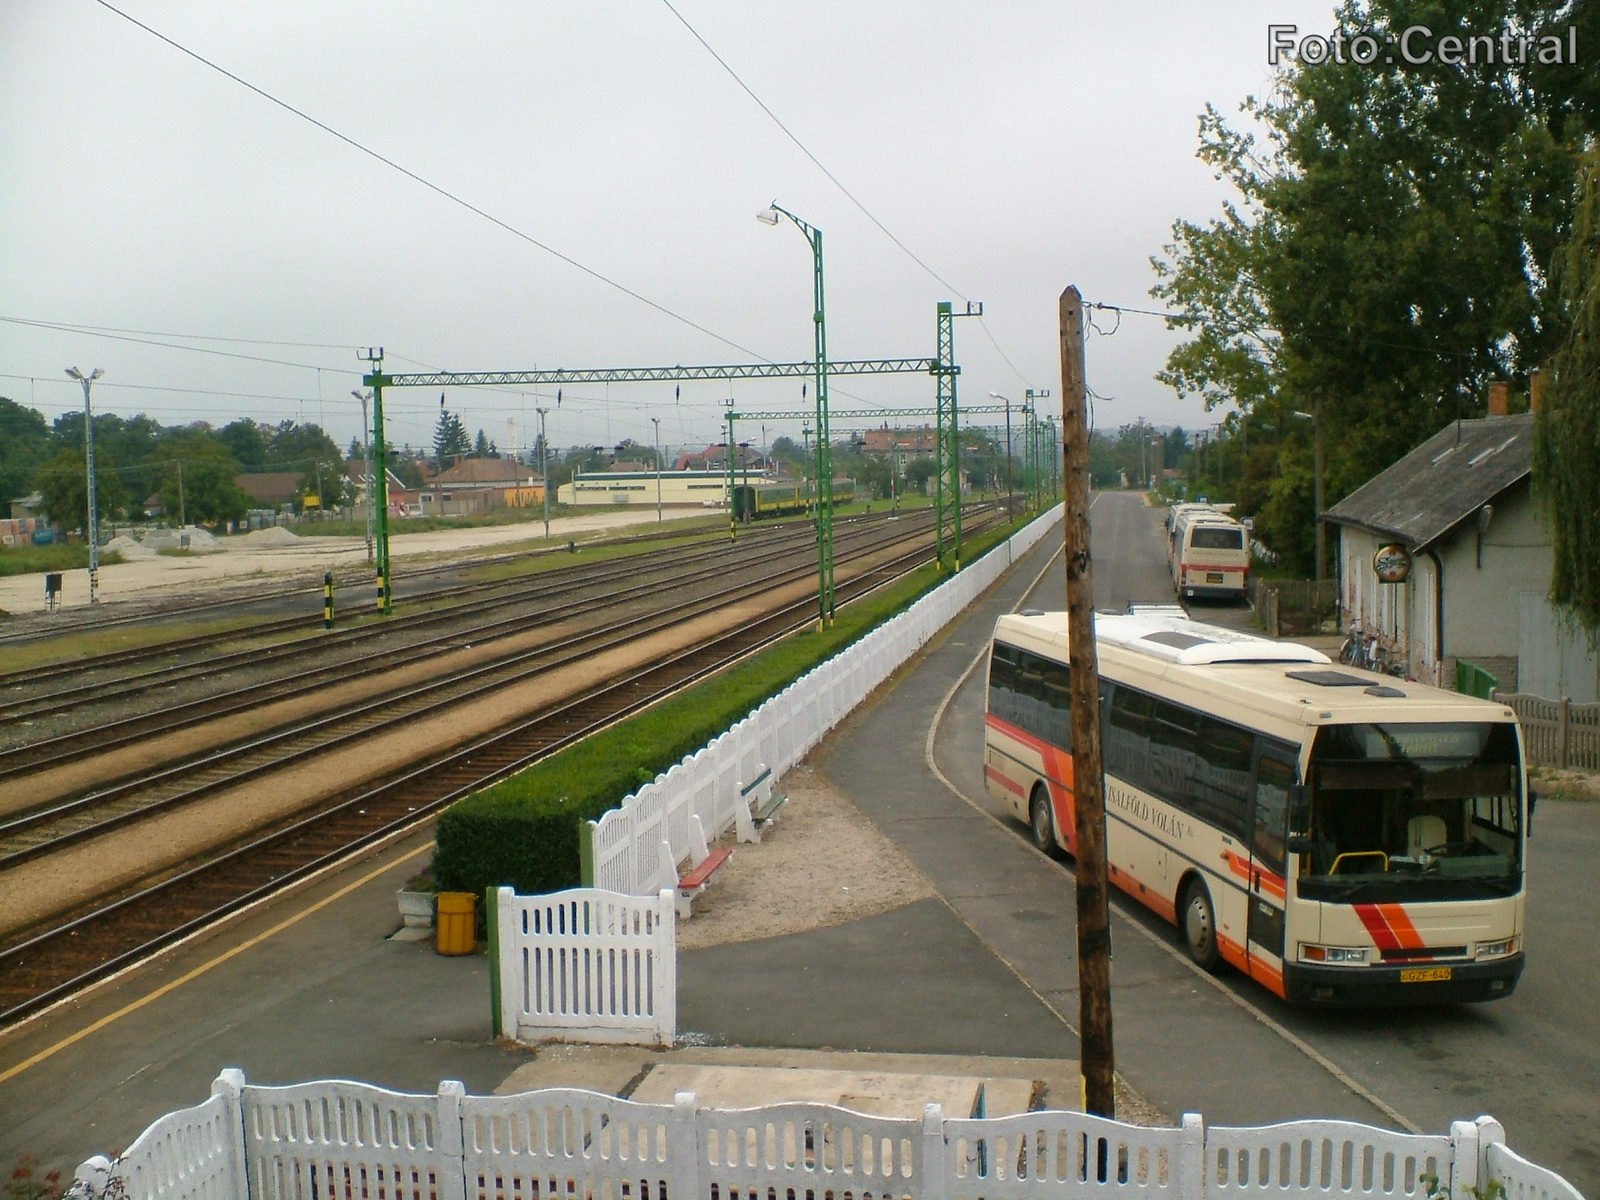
x,y
523,831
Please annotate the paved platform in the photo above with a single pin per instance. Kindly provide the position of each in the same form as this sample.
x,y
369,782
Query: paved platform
x,y
311,985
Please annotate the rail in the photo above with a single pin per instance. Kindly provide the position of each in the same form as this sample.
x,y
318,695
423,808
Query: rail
x,y
340,1140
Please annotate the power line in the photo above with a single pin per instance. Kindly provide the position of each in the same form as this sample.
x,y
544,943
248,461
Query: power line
x,y
122,337
193,337
429,184
835,180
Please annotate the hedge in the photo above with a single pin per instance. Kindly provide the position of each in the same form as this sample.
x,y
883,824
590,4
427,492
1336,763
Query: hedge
x,y
523,831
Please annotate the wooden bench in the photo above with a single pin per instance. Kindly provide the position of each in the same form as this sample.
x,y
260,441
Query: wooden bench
x,y
758,806
704,863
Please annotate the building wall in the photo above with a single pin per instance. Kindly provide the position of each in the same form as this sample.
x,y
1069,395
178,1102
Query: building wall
x,y
700,488
1496,611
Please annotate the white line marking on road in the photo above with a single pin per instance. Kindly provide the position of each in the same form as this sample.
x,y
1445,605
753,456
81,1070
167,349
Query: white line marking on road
x,y
1299,1043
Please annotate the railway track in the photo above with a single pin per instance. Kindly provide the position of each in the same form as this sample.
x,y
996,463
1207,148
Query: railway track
x,y
481,598
359,581
61,749
53,964
32,834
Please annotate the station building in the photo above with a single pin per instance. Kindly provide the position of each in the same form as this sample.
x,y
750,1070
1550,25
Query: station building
x,y
702,489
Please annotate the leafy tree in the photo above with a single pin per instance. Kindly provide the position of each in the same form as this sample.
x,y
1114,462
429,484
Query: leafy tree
x,y
918,472
1389,252
449,439
629,450
247,442
63,483
204,491
786,449
1566,463
24,444
290,445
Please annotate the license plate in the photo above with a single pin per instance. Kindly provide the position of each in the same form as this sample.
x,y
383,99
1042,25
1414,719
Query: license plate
x,y
1425,975
1213,576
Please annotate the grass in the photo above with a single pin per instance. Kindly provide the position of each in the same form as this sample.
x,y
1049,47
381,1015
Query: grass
x,y
523,830
29,560
531,515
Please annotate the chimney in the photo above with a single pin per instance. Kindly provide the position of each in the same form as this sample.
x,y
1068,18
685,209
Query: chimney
x,y
1535,390
1498,403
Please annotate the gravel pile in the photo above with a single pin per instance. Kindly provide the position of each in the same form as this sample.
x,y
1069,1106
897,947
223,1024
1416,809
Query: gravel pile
x,y
200,542
272,535
129,548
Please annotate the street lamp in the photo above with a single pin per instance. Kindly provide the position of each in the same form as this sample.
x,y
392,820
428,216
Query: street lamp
x,y
656,421
366,458
824,459
88,456
544,468
1010,515
1315,417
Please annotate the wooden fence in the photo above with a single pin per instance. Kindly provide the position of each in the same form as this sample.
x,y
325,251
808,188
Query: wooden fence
x,y
1557,733
1295,607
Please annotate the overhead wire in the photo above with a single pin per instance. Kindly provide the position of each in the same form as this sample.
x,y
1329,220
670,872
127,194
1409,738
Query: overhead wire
x,y
835,180
437,189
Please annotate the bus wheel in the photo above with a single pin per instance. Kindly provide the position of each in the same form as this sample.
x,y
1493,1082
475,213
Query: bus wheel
x,y
1041,821
1200,927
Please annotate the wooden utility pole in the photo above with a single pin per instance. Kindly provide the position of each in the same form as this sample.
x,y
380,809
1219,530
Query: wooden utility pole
x,y
1098,1062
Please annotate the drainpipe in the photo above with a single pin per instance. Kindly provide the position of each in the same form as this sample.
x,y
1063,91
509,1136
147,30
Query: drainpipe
x,y
1438,609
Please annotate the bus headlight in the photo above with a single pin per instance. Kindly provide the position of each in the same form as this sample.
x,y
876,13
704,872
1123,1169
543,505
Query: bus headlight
x,y
1497,949
1346,956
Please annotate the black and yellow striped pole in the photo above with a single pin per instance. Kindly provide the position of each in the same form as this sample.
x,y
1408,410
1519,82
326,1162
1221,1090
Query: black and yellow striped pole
x,y
327,600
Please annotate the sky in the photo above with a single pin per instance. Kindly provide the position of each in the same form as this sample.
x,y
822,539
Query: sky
x,y
221,257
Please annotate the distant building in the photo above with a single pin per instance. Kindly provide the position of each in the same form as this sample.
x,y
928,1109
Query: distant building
x,y
479,484
271,489
915,443
1456,518
715,458
703,489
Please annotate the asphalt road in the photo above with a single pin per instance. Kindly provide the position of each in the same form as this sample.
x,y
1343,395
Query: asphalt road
x,y
1532,1060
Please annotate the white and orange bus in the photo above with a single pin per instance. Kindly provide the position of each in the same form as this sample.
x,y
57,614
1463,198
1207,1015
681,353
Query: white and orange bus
x,y
1340,836
1208,554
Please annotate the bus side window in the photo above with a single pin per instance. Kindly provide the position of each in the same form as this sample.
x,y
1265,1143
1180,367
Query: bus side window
x,y
1222,775
1273,781
1127,736
1173,748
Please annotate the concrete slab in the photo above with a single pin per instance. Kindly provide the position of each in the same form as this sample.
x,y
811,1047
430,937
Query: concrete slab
x,y
736,1076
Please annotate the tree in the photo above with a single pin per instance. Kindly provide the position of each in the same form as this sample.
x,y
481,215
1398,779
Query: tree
x,y
918,472
449,439
63,483
1566,454
354,452
629,450
1389,253
480,448
210,494
24,444
247,442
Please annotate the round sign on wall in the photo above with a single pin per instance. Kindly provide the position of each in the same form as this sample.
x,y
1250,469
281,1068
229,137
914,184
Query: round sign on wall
x,y
1392,563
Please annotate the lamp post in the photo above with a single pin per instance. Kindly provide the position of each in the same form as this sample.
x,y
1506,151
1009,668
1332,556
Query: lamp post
x,y
1315,417
88,457
375,379
733,518
366,459
544,467
656,421
805,438
1006,400
1031,395
824,457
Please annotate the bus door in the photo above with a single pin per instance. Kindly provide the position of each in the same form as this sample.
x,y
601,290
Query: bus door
x,y
1272,779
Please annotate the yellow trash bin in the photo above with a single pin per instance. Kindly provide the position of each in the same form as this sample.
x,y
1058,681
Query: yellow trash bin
x,y
457,923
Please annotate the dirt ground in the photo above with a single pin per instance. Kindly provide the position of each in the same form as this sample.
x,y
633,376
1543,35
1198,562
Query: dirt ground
x,y
239,560
1565,785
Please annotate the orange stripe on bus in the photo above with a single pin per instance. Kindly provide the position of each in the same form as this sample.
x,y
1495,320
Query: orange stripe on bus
x,y
1404,930
1377,925
1004,780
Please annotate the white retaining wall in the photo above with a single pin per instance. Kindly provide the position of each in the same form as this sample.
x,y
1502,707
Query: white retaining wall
x,y
636,848
335,1140
586,962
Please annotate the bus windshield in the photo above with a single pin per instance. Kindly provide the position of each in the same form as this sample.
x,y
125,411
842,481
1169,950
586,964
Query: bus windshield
x,y
1413,812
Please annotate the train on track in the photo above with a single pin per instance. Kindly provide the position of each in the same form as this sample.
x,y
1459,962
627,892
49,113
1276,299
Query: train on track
x,y
757,501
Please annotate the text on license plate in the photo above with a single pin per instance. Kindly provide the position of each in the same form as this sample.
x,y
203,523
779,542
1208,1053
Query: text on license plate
x,y
1425,974
1213,576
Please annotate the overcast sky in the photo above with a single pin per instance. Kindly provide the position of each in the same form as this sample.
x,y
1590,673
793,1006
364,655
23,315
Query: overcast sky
x,y
1013,147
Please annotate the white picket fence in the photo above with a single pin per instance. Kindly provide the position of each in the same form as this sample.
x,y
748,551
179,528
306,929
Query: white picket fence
x,y
637,847
335,1140
584,963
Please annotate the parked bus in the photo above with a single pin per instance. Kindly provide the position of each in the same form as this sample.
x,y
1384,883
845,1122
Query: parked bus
x,y
1209,556
1337,835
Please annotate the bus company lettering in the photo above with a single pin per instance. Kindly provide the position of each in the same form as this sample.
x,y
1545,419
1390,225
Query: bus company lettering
x,y
1141,810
